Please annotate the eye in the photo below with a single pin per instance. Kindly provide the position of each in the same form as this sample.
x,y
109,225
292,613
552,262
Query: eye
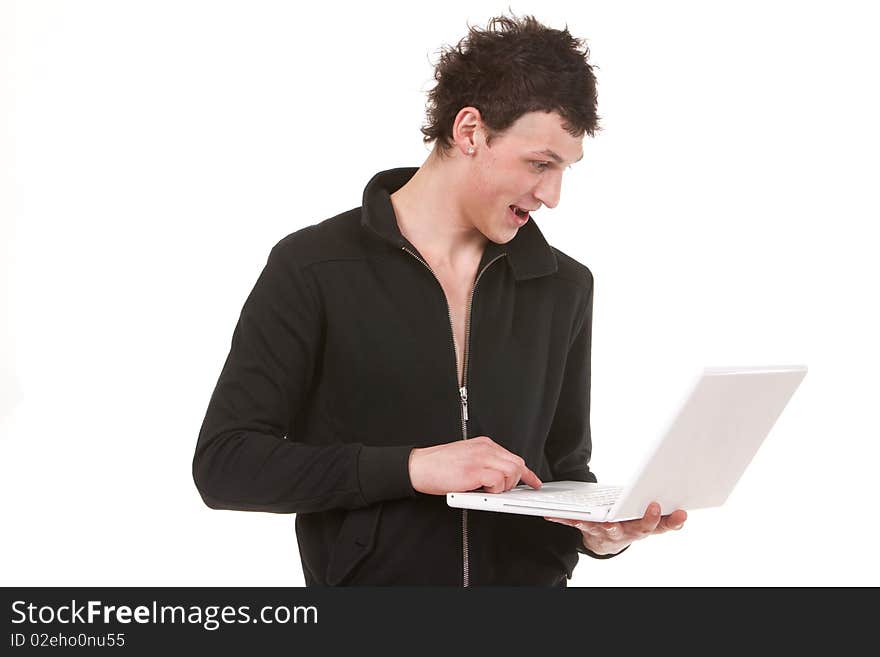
x,y
541,166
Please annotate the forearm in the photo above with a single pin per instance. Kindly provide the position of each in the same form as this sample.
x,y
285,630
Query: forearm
x,y
249,471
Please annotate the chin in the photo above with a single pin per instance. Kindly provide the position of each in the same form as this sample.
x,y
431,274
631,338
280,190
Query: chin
x,y
506,236
501,235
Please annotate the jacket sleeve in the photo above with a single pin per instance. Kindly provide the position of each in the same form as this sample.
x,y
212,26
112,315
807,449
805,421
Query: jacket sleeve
x,y
569,445
245,459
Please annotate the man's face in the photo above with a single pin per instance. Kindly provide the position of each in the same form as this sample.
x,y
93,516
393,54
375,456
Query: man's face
x,y
518,169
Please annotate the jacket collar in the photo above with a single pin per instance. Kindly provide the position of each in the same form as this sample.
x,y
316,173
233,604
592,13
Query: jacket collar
x,y
528,252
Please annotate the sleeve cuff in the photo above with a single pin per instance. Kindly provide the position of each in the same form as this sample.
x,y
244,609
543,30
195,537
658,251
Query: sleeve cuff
x,y
383,473
584,550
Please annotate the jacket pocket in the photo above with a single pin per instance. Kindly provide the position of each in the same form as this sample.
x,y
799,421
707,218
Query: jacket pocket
x,y
356,540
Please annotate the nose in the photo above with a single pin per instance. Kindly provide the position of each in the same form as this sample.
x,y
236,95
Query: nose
x,y
549,189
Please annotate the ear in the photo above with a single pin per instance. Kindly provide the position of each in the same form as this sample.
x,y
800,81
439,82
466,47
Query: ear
x,y
465,129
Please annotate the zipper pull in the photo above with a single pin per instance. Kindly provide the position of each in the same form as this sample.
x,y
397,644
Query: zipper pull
x,y
463,392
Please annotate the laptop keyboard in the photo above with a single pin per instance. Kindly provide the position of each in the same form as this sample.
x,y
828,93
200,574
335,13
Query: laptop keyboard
x,y
605,496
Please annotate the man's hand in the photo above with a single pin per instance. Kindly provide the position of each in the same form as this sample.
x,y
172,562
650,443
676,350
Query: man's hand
x,y
466,465
612,537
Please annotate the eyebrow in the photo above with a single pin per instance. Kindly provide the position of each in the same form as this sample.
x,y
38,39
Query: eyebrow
x,y
553,155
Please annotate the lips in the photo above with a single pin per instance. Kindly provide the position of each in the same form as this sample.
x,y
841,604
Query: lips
x,y
520,212
517,218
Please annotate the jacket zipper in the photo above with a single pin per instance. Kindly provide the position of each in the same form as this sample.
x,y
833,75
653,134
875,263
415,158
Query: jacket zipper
x,y
462,391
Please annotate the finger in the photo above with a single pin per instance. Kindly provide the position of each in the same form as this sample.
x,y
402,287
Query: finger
x,y
583,525
495,476
523,472
511,473
651,518
677,518
674,520
492,480
613,530
599,542
594,528
510,468
520,471
517,469
628,530
531,478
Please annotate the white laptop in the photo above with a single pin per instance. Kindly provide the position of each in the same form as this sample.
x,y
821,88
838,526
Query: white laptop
x,y
695,464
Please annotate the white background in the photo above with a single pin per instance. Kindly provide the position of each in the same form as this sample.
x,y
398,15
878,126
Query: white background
x,y
155,151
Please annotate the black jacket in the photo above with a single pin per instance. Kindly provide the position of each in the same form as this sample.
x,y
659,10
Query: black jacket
x,y
342,362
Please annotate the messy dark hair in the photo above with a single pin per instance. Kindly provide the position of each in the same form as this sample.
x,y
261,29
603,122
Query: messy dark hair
x,y
515,66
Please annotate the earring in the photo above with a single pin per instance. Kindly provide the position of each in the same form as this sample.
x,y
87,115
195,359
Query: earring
x,y
470,150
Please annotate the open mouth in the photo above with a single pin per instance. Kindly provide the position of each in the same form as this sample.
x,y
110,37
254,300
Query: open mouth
x,y
519,215
522,214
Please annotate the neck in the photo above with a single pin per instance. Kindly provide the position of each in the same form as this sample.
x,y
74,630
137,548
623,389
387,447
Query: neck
x,y
429,214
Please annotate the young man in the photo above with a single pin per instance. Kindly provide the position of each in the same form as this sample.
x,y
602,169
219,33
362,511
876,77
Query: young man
x,y
429,341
